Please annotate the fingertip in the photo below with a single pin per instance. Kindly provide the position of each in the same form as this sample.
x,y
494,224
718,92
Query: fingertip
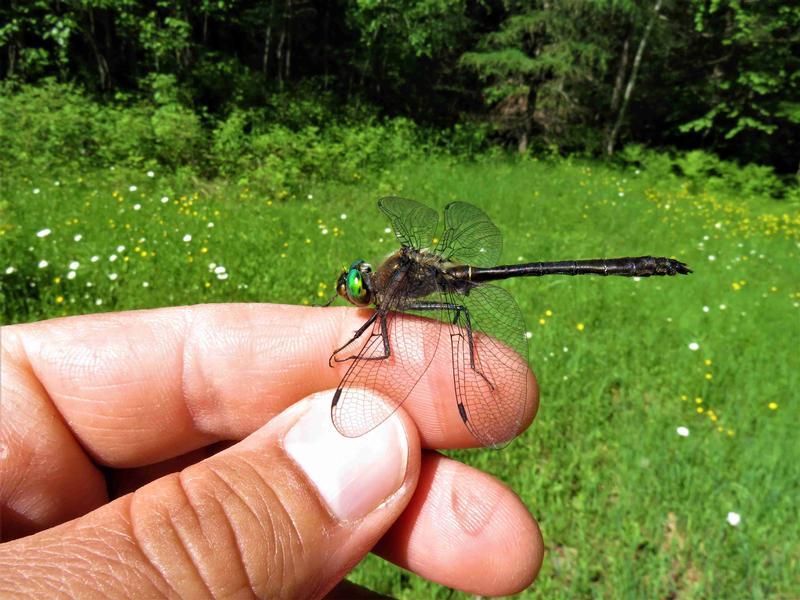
x,y
532,405
466,530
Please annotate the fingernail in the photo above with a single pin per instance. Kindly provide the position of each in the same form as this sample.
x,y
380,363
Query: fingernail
x,y
353,475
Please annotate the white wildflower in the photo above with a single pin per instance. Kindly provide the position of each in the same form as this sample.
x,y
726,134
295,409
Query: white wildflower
x,y
44,232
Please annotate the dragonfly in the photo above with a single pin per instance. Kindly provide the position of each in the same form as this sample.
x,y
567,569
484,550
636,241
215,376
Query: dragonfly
x,y
444,277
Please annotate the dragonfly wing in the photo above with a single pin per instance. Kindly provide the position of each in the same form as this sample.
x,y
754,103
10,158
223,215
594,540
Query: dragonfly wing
x,y
469,236
490,366
414,224
395,355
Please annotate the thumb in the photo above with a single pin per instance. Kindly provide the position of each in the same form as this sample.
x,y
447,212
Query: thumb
x,y
286,512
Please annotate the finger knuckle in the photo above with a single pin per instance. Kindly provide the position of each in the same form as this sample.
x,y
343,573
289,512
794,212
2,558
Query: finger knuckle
x,y
230,527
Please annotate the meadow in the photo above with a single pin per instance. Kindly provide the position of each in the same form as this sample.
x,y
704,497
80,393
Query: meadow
x,y
664,459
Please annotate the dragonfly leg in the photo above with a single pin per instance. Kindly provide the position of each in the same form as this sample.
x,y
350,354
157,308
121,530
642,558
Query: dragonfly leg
x,y
384,334
470,341
459,309
356,335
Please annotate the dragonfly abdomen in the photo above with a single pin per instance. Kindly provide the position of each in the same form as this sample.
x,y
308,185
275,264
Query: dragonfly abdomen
x,y
631,266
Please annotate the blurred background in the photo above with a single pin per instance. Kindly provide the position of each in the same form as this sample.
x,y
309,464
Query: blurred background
x,y
157,153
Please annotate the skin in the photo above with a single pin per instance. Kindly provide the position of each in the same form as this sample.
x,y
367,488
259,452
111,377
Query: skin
x,y
143,456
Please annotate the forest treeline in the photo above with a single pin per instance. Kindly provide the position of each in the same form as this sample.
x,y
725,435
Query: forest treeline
x,y
570,76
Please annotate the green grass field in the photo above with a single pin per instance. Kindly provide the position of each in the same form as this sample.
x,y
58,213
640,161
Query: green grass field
x,y
628,507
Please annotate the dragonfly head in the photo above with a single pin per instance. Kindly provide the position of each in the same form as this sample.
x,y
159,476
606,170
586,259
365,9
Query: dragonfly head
x,y
353,284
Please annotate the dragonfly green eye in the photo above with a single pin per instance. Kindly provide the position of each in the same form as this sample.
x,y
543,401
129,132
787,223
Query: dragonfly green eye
x,y
353,286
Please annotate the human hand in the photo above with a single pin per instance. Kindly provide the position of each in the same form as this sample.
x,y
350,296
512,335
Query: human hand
x,y
136,462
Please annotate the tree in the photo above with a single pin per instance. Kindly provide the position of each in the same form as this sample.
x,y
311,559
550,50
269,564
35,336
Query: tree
x,y
752,62
549,66
613,133
406,51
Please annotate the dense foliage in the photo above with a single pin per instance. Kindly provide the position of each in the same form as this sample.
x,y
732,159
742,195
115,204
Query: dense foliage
x,y
722,76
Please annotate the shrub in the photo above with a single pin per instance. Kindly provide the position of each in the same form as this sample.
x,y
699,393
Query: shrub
x,y
55,124
47,124
281,159
179,136
706,171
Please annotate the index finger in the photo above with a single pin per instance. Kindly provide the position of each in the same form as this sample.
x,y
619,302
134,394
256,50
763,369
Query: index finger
x,y
140,387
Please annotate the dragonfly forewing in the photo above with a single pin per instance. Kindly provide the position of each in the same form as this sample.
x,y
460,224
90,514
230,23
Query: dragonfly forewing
x,y
414,224
469,236
412,344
